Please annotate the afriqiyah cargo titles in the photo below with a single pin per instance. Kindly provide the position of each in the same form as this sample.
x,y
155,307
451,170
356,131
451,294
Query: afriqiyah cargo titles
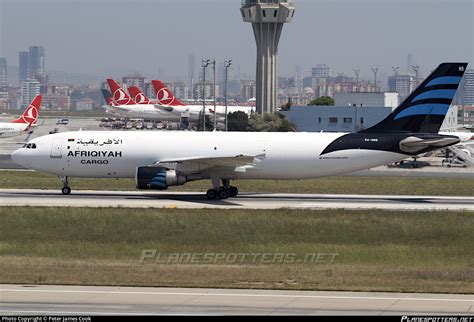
x,y
23,123
158,160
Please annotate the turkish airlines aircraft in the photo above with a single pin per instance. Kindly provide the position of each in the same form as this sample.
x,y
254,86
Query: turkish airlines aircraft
x,y
119,102
23,123
138,95
164,97
192,112
158,160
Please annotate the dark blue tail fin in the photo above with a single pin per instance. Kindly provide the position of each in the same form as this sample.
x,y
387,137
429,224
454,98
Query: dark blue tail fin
x,y
107,96
424,110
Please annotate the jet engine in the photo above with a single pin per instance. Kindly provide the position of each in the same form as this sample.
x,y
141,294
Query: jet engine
x,y
158,178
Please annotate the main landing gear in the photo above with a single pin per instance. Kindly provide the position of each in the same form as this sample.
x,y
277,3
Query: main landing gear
x,y
223,192
66,190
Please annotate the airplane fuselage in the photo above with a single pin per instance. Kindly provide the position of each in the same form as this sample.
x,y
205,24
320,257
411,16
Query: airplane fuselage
x,y
144,111
12,129
285,155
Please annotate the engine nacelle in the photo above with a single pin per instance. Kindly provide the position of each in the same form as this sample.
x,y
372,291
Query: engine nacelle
x,y
157,178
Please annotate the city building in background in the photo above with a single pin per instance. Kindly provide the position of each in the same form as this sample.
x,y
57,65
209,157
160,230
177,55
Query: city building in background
x,y
349,118
267,18
32,66
402,84
36,62
134,80
24,61
248,90
468,88
209,90
3,71
335,118
57,97
321,71
29,89
179,89
361,99
466,117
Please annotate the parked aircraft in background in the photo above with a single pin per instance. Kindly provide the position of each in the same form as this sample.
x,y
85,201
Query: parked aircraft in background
x,y
119,102
24,122
164,97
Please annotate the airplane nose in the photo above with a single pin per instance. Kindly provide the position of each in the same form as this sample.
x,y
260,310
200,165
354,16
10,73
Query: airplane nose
x,y
19,158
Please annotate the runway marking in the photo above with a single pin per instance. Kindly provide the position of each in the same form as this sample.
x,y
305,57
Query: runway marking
x,y
246,295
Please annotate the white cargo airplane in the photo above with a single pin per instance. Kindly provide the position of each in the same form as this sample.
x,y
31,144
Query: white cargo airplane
x,y
24,122
158,160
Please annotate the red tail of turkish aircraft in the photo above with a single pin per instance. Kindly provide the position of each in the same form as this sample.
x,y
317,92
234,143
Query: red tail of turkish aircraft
x,y
30,116
164,95
119,95
138,95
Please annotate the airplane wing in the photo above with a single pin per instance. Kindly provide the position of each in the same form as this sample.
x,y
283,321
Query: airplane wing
x,y
236,163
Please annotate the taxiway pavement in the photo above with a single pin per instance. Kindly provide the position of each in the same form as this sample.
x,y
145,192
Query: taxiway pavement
x,y
187,200
88,300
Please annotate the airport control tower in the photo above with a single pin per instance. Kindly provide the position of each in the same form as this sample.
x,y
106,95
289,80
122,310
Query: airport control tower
x,y
267,18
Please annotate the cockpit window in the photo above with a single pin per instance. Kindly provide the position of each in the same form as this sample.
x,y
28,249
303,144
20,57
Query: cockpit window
x,y
30,146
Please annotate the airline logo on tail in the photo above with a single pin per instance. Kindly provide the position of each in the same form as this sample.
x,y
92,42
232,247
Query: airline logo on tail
x,y
164,95
30,115
119,95
138,96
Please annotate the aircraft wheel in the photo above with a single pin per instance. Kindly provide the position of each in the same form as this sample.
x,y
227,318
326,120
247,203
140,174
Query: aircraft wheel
x,y
223,194
66,190
233,191
211,194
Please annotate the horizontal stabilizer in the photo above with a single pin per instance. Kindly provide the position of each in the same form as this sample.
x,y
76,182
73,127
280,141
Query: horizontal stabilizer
x,y
414,144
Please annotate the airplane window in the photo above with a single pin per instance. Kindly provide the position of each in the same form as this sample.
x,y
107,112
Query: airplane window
x,y
24,146
33,146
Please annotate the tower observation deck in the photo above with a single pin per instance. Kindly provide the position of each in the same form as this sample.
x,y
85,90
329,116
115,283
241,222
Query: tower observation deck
x,y
267,18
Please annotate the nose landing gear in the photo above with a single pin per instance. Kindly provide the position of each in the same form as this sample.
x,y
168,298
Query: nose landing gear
x,y
66,190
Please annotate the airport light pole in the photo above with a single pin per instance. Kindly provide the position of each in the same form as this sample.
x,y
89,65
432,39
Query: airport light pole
x,y
357,73
227,64
416,69
205,64
375,70
395,71
213,62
